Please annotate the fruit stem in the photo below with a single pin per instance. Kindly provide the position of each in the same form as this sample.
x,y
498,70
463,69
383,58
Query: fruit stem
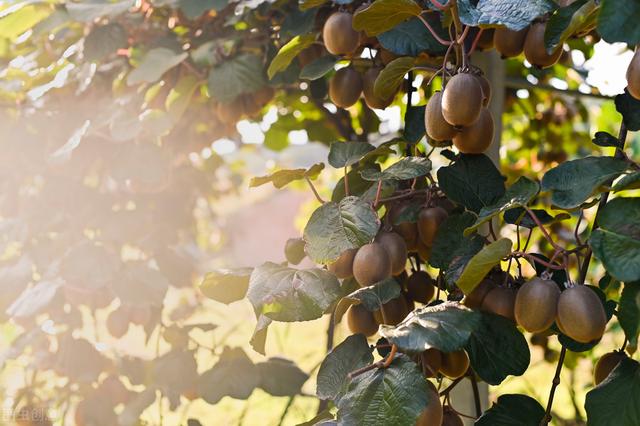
x,y
434,34
346,182
556,381
476,395
409,194
475,41
537,260
390,357
543,229
439,5
364,369
378,191
313,188
451,386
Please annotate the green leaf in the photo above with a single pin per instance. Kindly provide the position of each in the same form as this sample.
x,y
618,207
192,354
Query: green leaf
x,y
154,64
15,20
288,52
497,349
318,68
383,15
512,409
310,4
518,195
259,338
629,107
616,400
630,181
287,294
374,296
233,375
89,11
343,154
336,227
606,139
193,9
576,18
242,74
461,257
391,76
357,185
519,216
386,396
414,128
449,239
103,41
406,168
447,327
616,243
617,23
472,181
226,285
513,14
411,38
353,353
282,178
482,263
280,377
573,182
179,97
629,311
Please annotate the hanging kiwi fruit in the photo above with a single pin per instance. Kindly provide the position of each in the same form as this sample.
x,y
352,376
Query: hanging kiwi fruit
x,y
462,100
536,304
343,266
476,138
500,301
420,287
431,361
345,87
451,418
509,43
396,248
606,364
486,88
368,82
535,50
580,314
633,75
338,34
360,320
392,312
294,250
371,264
432,413
429,220
474,299
437,127
454,364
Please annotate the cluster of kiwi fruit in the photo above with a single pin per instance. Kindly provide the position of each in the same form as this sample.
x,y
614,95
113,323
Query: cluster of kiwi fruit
x,y
495,294
247,105
434,414
530,40
633,75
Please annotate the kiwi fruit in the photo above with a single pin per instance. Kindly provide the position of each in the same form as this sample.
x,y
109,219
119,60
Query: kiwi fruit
x,y
370,98
343,266
454,364
429,219
310,54
338,34
462,100
476,138
360,320
424,251
264,95
500,301
437,127
432,413
294,250
581,315
605,365
486,89
345,87
633,75
230,112
420,287
395,310
509,43
431,361
474,299
118,323
409,233
535,50
396,248
371,264
536,304
451,418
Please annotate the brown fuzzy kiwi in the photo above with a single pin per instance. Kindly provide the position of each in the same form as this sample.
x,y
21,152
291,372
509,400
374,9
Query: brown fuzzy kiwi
x,y
454,364
606,364
310,54
432,413
345,87
230,112
486,89
420,287
509,43
535,50
371,264
360,320
395,310
338,34
343,266
429,220
431,361
500,301
264,95
437,127
368,82
474,299
294,250
409,233
581,314
536,304
397,250
633,75
462,100
424,251
485,42
450,418
476,138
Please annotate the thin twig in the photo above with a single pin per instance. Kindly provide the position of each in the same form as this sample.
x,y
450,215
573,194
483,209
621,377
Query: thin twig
x,y
475,41
543,229
476,395
313,188
554,385
537,260
433,33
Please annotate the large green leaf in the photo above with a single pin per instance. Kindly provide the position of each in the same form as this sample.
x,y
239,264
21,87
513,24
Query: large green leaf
x,y
336,227
616,401
573,182
497,349
154,64
383,15
406,168
282,178
449,238
23,16
386,396
617,21
606,139
469,247
226,285
280,377
288,52
629,311
104,40
391,76
342,154
353,353
233,375
576,18
616,243
287,294
374,296
518,195
480,264
446,327
412,37
318,68
513,14
626,182
472,181
511,410
629,107
519,216
89,11
192,9
242,74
